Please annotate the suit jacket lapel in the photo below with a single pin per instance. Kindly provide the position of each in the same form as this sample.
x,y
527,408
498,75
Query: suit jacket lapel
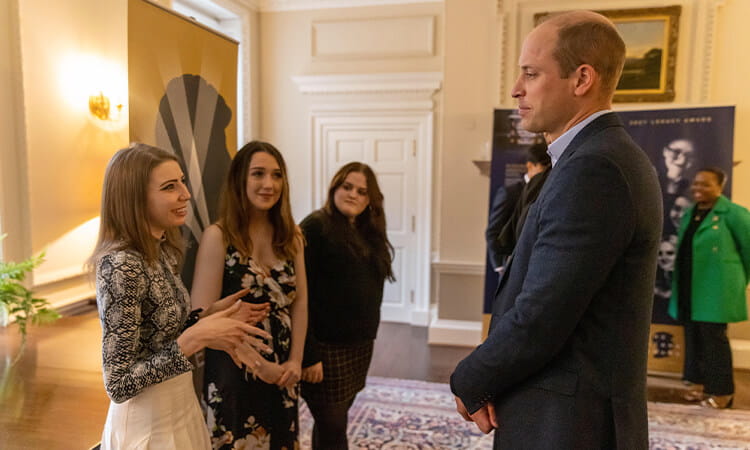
x,y
600,123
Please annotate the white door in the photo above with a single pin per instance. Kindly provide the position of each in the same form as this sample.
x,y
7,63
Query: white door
x,y
391,152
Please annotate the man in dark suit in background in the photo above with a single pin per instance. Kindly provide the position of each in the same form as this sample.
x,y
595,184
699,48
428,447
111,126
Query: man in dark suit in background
x,y
509,205
503,204
564,364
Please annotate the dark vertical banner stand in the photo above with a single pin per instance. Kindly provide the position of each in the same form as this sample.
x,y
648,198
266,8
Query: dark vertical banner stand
x,y
182,81
679,142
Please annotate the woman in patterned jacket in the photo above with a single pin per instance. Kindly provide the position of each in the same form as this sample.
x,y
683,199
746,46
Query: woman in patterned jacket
x,y
148,331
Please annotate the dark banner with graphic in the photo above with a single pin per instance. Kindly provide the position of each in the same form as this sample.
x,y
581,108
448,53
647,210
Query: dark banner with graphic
x,y
183,96
679,142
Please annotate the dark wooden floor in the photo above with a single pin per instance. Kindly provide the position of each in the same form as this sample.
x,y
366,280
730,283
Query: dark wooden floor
x,y
54,397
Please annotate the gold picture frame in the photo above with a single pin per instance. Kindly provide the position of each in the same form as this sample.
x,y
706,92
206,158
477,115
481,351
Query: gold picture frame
x,y
650,36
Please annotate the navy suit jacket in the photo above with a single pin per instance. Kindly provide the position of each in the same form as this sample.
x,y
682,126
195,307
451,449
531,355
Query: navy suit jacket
x,y
564,362
503,204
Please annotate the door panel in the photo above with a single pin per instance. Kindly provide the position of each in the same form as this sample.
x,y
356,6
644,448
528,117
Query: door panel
x,y
390,152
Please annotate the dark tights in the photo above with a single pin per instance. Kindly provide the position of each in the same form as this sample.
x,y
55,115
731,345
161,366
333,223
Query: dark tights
x,y
329,431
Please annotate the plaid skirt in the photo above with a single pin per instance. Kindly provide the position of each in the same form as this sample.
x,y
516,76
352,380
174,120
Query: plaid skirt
x,y
345,369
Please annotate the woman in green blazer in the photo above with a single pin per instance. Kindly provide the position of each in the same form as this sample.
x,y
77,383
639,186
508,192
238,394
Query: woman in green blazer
x,y
708,286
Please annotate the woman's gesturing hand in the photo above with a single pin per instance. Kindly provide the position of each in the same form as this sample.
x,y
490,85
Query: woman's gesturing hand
x,y
256,364
251,313
219,331
222,332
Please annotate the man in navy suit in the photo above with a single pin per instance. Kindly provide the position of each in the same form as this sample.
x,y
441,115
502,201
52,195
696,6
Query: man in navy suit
x,y
564,363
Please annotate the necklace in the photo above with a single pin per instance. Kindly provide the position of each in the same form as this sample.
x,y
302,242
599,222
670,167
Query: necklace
x,y
700,214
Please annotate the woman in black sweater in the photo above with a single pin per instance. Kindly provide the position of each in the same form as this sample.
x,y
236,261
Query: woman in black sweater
x,y
348,257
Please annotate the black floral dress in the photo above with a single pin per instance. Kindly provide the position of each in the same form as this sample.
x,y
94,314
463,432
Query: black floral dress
x,y
245,412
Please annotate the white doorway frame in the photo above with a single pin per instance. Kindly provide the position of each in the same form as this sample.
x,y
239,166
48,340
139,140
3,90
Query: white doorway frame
x,y
405,98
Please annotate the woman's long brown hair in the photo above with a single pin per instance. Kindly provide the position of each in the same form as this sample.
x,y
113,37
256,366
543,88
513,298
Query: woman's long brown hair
x,y
370,223
124,218
234,207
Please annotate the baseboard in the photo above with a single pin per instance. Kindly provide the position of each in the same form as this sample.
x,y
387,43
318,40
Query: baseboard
x,y
79,307
420,318
740,353
463,333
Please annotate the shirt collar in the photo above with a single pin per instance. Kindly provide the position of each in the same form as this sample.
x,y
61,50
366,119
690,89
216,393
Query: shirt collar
x,y
556,148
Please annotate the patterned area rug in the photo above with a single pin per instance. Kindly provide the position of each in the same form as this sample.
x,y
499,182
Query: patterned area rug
x,y
416,415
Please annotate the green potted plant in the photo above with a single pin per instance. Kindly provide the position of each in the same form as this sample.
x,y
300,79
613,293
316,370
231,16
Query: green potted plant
x,y
17,302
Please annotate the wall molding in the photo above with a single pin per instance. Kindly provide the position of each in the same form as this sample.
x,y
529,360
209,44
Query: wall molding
x,y
252,5
708,42
424,84
459,267
464,333
298,5
66,292
362,38
740,353
14,166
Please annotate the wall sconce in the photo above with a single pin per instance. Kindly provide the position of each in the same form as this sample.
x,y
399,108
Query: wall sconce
x,y
103,82
99,106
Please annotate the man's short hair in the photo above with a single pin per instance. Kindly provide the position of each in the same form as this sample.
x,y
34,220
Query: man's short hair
x,y
537,154
589,41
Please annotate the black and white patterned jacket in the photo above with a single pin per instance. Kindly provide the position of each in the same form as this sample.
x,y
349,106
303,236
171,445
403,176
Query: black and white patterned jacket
x,y
142,309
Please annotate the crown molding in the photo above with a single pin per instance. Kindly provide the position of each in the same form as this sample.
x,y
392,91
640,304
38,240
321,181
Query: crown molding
x,y
298,5
384,83
253,5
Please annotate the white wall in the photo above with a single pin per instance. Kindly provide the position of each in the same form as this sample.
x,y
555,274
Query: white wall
x,y
68,49
287,50
469,97
13,182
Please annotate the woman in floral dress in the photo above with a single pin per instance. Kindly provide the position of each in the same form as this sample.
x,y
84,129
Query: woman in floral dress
x,y
256,245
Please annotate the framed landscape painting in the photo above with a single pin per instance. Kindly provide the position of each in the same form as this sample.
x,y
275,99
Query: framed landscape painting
x,y
650,36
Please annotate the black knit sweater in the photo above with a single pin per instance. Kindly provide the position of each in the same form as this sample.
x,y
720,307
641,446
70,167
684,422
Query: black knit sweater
x,y
344,289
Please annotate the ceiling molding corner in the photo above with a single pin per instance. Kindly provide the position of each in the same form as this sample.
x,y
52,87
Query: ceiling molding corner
x,y
299,5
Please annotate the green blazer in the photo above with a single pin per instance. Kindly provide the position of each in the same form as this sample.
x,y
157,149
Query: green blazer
x,y
721,264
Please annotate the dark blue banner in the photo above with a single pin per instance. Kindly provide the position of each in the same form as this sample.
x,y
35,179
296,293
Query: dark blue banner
x,y
680,142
